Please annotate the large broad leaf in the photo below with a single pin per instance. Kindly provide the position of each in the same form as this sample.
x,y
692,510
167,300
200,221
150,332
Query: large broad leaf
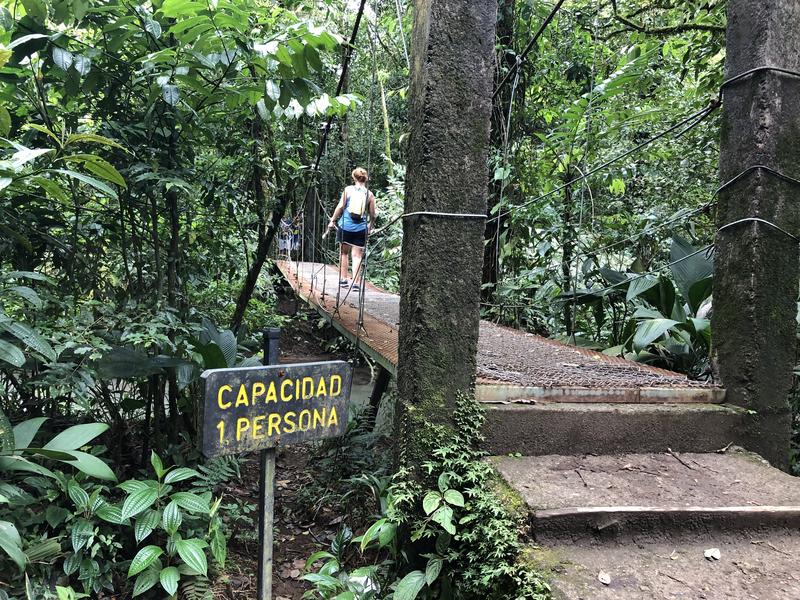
x,y
98,166
95,183
699,292
7,435
20,463
11,544
10,354
30,338
410,586
146,580
91,465
170,576
661,296
126,363
27,294
649,331
213,358
693,266
191,502
639,286
138,502
227,343
192,552
145,524
76,436
143,559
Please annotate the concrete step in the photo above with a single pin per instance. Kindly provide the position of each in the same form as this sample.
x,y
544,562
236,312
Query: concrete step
x,y
609,428
750,567
579,499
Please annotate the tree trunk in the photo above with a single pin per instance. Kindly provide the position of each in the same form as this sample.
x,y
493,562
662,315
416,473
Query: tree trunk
x,y
567,252
266,236
757,267
450,110
500,107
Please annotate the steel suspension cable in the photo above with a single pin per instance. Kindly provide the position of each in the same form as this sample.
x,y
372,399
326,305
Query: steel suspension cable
x,y
524,55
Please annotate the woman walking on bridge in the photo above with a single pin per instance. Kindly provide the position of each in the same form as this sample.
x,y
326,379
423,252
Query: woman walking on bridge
x,y
355,214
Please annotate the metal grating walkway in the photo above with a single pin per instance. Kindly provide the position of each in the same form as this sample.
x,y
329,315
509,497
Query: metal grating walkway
x,y
513,366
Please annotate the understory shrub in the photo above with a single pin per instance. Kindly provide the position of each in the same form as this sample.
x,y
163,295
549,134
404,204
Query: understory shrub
x,y
442,532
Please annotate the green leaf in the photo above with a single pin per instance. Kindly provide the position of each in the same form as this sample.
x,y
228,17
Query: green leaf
x,y
92,138
219,547
371,533
138,502
82,534
431,502
35,9
76,436
193,554
33,275
649,331
62,58
180,474
432,570
171,94
170,576
73,563
699,292
78,495
191,502
454,497
27,294
158,466
145,525
5,121
143,559
444,516
98,185
91,465
172,518
19,463
692,267
83,64
126,363
30,338
98,166
640,286
153,28
111,514
227,343
410,586
134,485
145,581
10,354
11,543
25,432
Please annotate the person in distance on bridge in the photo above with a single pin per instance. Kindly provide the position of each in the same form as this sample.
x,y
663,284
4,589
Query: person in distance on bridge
x,y
355,214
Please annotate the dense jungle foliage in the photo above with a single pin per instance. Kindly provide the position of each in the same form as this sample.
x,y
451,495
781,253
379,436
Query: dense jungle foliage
x,y
149,153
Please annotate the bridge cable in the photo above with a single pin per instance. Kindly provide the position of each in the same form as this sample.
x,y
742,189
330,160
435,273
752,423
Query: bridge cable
x,y
521,58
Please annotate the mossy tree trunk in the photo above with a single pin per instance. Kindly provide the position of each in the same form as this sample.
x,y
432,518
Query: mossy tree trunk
x,y
756,280
451,89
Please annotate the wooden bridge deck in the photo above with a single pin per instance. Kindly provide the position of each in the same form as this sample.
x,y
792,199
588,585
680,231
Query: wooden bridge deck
x,y
513,366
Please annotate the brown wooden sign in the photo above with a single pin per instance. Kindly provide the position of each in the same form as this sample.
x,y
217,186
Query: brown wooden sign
x,y
255,408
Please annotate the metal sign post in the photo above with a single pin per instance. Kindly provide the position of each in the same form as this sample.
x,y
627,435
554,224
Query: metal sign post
x,y
258,408
266,486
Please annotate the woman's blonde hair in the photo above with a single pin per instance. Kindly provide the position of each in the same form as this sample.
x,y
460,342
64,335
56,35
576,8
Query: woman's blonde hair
x,y
360,175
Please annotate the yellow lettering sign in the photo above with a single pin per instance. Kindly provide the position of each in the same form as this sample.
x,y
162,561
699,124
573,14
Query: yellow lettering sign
x,y
223,405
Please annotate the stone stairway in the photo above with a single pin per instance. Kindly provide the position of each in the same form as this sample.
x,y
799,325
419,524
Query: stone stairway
x,y
670,524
